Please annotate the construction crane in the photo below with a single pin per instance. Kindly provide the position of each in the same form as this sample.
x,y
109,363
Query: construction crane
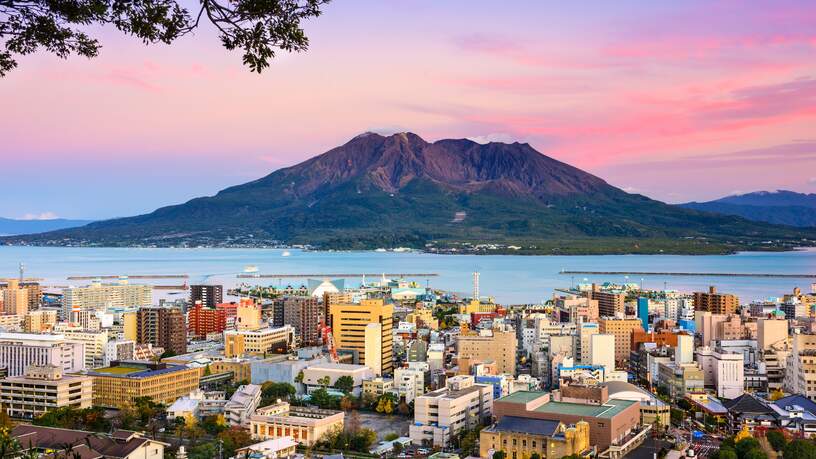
x,y
328,341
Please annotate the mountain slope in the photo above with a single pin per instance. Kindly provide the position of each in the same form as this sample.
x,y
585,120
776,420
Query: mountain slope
x,y
9,226
780,207
400,190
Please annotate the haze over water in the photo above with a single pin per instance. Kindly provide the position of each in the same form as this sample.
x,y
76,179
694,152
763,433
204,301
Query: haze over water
x,y
510,279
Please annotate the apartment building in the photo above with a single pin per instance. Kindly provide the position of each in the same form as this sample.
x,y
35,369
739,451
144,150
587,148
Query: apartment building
x,y
123,381
723,371
33,288
440,415
375,345
715,303
610,303
15,298
99,297
202,320
621,328
304,425
303,313
238,343
207,295
162,327
95,343
410,381
19,350
43,388
498,345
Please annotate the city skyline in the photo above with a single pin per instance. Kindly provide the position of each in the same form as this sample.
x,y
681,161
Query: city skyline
x,y
678,102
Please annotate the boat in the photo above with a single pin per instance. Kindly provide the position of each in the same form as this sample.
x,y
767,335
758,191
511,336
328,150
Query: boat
x,y
285,253
250,269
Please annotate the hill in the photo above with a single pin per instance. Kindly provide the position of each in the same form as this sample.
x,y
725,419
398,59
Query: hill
x,y
780,207
449,195
9,226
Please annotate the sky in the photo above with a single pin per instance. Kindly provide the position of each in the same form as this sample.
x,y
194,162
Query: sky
x,y
678,101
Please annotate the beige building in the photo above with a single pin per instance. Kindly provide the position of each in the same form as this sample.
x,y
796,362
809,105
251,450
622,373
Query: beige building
x,y
130,326
622,329
122,382
377,386
423,316
39,321
770,332
440,415
95,343
11,323
714,302
303,425
247,315
349,322
15,298
800,368
498,345
238,343
44,388
521,437
99,297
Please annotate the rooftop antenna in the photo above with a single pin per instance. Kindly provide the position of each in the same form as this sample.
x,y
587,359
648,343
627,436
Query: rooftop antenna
x,y
22,271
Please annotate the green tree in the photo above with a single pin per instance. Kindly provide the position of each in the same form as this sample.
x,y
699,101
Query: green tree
x,y
272,391
800,449
499,455
398,448
535,456
234,438
745,445
345,384
776,439
725,453
391,436
257,27
324,381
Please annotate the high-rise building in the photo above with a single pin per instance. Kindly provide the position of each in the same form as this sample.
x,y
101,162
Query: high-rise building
x,y
583,336
99,297
39,321
208,295
602,351
770,332
610,303
201,320
33,288
15,298
162,327
715,303
643,312
19,350
622,329
349,323
303,313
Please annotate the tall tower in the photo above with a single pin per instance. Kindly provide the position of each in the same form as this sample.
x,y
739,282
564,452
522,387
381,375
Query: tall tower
x,y
476,285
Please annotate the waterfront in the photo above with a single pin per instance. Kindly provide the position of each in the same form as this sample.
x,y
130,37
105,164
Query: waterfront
x,y
510,279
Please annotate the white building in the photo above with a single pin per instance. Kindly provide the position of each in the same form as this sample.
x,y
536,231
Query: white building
x,y
95,343
436,356
242,405
583,339
410,382
314,374
602,351
684,353
99,297
19,350
442,414
723,371
373,346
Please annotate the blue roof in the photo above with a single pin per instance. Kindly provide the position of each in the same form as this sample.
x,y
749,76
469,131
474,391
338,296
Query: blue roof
x,y
527,425
799,400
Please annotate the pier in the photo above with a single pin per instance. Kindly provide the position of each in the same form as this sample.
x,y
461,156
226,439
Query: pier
x,y
333,275
133,276
655,273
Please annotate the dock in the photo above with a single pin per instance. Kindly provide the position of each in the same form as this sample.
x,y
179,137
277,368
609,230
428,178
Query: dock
x,y
333,275
688,274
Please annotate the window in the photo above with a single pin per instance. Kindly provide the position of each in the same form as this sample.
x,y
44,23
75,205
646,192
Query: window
x,y
534,443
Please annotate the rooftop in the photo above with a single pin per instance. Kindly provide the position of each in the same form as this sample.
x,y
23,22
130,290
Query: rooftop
x,y
526,425
609,409
136,370
522,397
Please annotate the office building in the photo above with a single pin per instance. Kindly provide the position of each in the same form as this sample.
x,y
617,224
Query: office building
x,y
122,382
162,327
100,296
207,295
95,343
349,322
304,425
715,303
498,345
622,328
19,350
202,320
15,298
440,415
239,343
242,404
303,313
44,388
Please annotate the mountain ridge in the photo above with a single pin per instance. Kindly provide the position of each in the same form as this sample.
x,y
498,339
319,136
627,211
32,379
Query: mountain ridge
x,y
400,190
783,207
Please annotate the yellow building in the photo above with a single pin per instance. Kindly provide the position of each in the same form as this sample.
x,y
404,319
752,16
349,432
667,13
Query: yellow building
x,y
130,326
349,322
258,342
39,321
476,306
425,316
520,437
122,382
304,425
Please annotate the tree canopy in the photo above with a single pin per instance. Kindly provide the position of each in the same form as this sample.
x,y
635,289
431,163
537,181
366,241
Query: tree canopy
x,y
257,27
